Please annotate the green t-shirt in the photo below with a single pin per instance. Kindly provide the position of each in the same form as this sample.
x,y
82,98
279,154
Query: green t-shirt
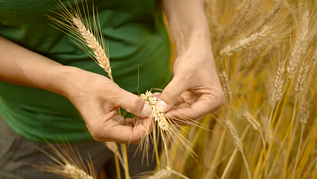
x,y
136,36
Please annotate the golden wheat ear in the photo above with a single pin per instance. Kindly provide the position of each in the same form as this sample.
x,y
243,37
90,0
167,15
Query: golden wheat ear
x,y
167,129
84,29
68,163
166,172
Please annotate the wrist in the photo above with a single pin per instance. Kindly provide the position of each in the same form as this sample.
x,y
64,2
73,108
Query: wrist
x,y
66,79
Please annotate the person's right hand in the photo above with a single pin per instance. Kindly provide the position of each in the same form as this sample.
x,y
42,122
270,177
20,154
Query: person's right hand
x,y
97,98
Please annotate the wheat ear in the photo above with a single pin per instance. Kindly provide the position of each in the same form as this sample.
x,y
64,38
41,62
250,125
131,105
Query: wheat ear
x,y
315,58
300,46
91,41
74,172
158,116
278,83
235,135
304,111
225,85
251,120
164,173
242,44
114,148
267,19
238,144
302,78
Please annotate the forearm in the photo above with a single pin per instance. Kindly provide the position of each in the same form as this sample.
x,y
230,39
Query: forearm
x,y
23,67
188,24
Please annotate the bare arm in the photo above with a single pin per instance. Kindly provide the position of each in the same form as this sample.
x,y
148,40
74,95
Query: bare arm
x,y
195,89
84,89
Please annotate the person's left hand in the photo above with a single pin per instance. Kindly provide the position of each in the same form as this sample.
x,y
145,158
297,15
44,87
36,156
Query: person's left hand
x,y
195,89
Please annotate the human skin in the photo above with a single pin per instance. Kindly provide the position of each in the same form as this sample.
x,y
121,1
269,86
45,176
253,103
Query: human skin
x,y
194,91
84,89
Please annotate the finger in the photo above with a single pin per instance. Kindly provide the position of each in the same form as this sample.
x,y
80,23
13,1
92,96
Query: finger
x,y
204,105
128,134
134,104
170,95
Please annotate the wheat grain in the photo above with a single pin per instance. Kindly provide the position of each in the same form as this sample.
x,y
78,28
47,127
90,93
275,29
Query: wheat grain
x,y
300,46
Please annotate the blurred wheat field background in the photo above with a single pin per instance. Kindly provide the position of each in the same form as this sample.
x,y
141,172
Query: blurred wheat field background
x,y
266,54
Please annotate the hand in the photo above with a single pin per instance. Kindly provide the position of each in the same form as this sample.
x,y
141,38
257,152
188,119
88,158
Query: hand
x,y
195,89
97,99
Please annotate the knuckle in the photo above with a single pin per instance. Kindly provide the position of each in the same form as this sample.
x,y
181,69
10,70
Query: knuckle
x,y
136,104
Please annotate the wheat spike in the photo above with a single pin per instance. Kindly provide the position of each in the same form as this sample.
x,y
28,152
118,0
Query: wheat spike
x,y
267,19
73,172
159,117
315,58
300,46
225,85
167,172
257,50
242,44
92,42
301,79
304,111
235,135
278,83
251,120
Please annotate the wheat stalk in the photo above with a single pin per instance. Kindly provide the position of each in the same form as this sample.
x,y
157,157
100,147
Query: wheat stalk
x,y
300,46
238,143
114,148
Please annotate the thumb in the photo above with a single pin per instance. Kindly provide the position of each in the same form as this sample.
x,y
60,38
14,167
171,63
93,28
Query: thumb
x,y
170,95
134,104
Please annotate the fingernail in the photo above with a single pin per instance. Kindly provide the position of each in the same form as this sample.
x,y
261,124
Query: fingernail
x,y
161,106
147,110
